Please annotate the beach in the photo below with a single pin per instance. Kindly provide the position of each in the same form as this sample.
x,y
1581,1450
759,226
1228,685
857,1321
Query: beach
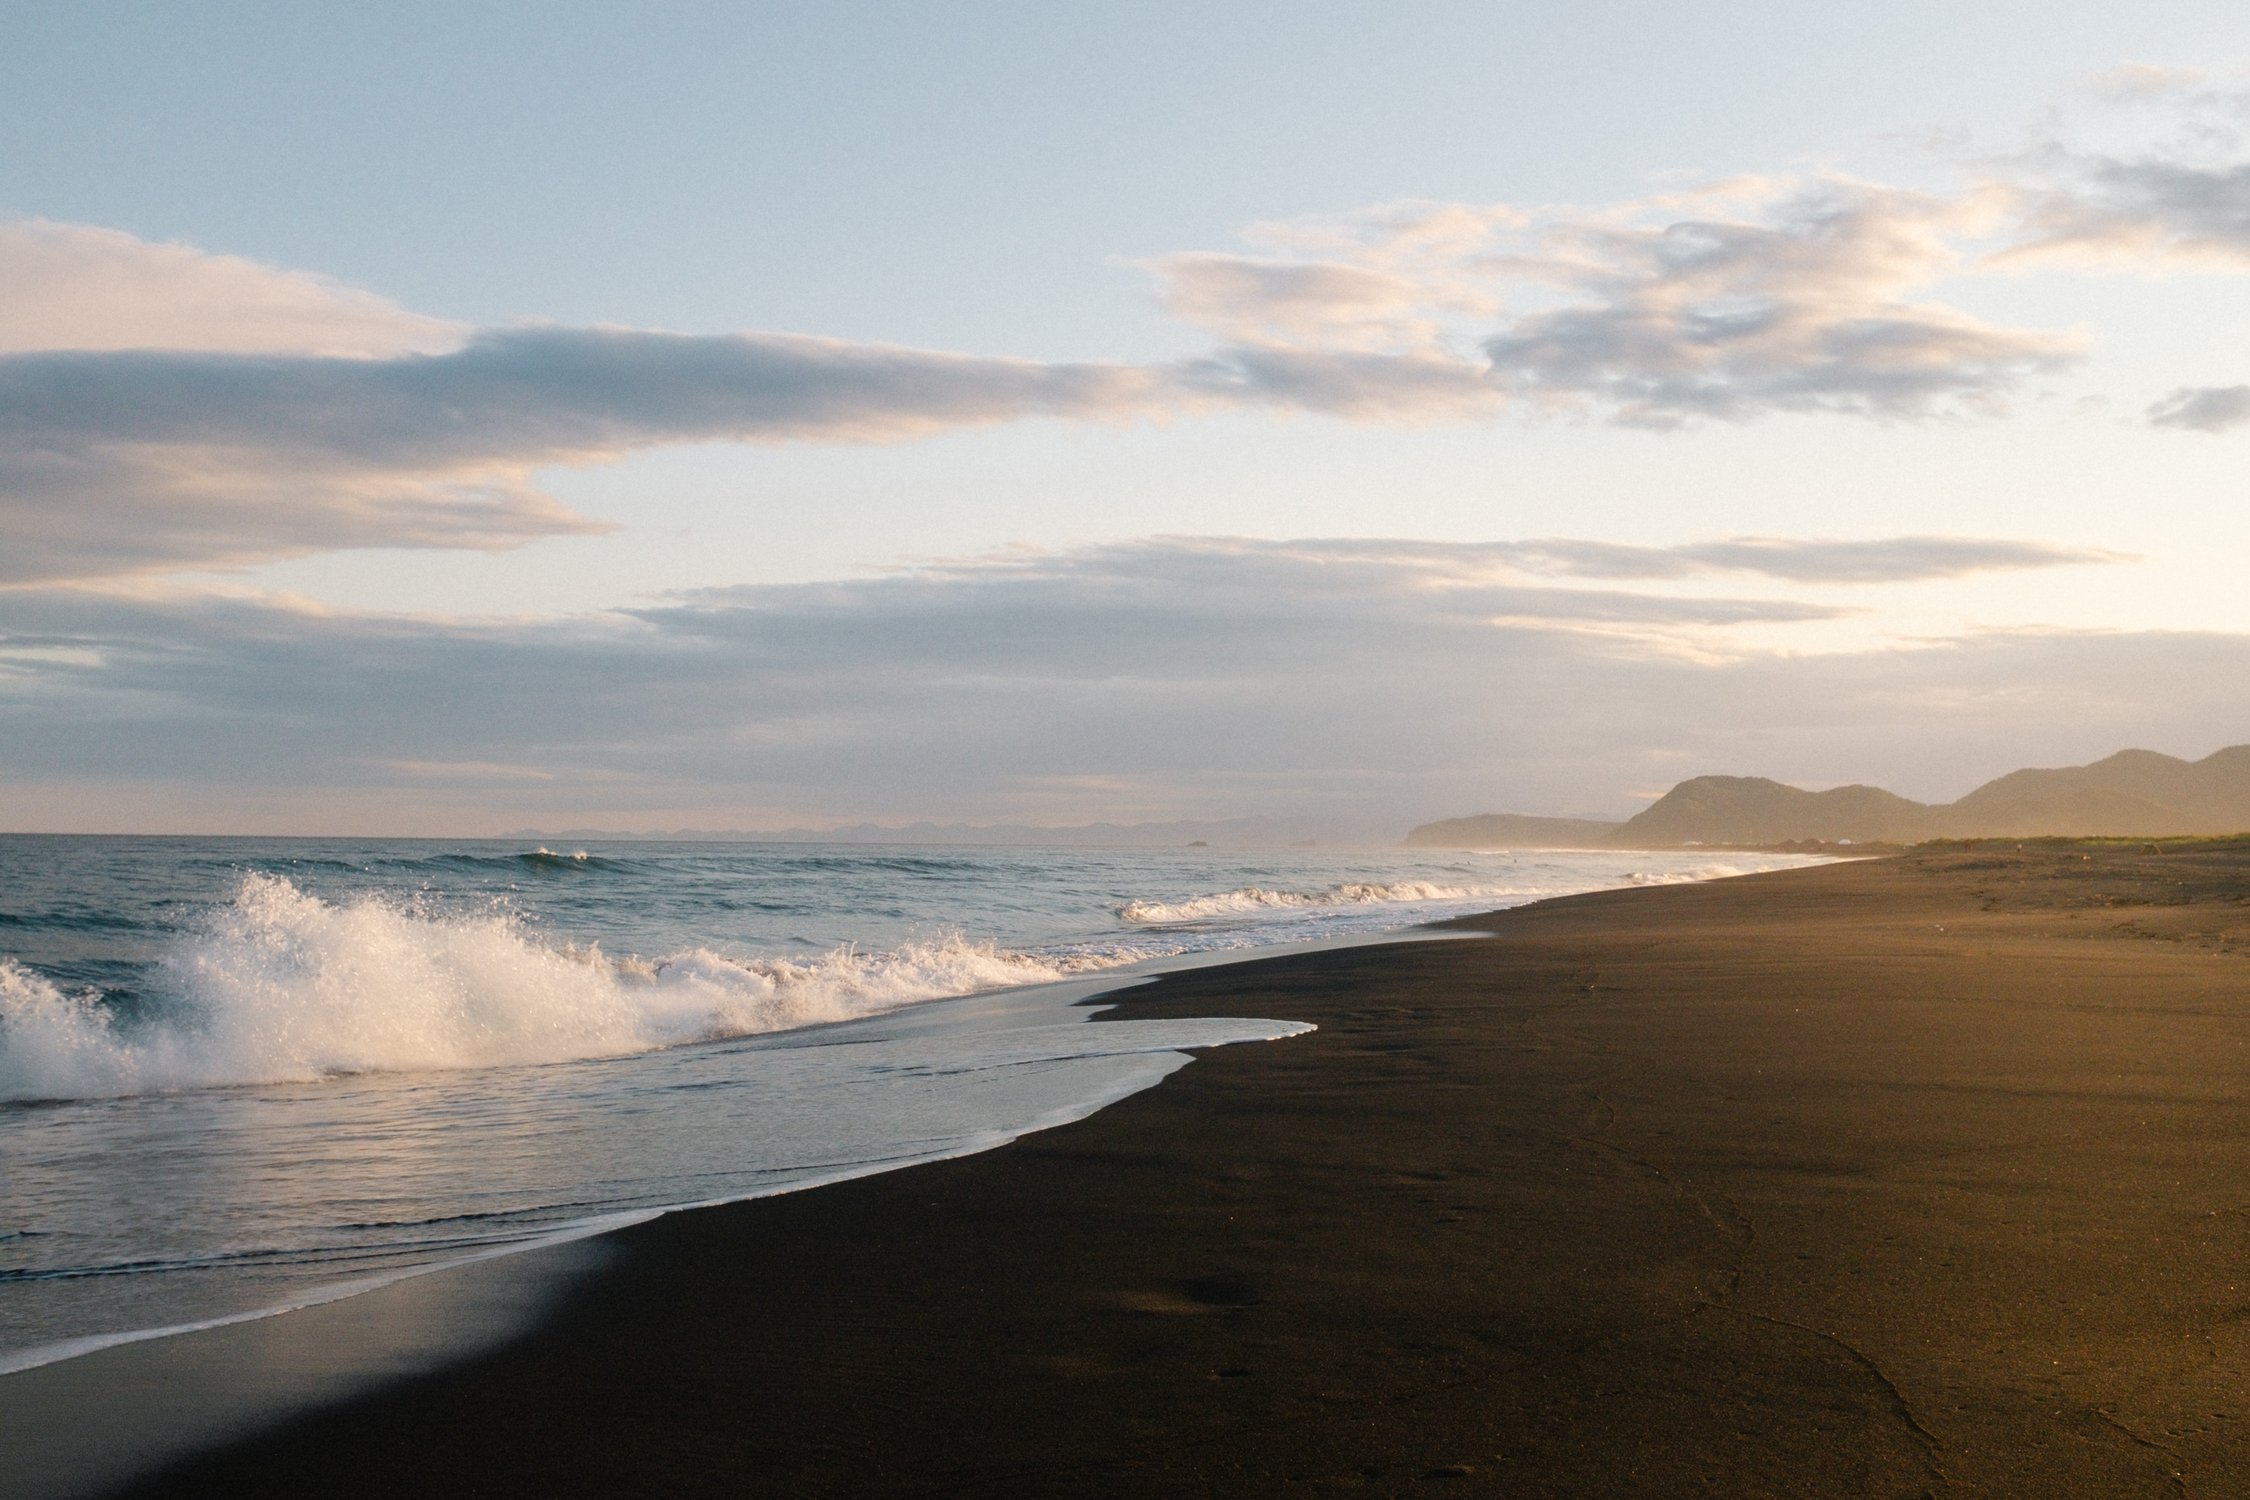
x,y
1923,1175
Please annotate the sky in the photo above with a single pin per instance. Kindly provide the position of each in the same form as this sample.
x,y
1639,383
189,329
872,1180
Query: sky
x,y
456,419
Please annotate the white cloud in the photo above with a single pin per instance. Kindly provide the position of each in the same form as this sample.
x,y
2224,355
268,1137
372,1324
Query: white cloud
x,y
75,286
1751,297
1270,301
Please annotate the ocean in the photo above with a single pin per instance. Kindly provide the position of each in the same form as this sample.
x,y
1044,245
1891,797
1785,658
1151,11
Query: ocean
x,y
244,1075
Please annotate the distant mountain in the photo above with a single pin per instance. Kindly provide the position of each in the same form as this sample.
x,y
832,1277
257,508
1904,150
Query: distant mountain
x,y
1753,810
2134,793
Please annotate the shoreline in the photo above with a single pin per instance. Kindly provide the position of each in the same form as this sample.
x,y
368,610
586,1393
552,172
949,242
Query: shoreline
x,y
1842,1180
475,1301
1089,990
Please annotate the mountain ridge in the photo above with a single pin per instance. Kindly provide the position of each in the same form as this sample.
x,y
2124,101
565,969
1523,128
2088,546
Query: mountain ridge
x,y
2133,793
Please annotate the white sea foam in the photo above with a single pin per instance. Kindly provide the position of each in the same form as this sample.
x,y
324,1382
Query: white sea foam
x,y
282,986
1251,900
1252,904
1685,876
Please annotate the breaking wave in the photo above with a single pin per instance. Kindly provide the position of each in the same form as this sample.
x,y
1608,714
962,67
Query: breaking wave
x,y
281,986
542,861
1252,899
1685,877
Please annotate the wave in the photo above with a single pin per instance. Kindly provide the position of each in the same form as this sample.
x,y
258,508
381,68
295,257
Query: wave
x,y
1252,900
280,986
542,860
1687,876
889,864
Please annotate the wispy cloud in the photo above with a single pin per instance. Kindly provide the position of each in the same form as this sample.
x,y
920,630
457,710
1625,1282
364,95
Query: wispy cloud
x,y
1807,303
1752,297
76,286
1905,559
117,459
115,462
2148,208
1181,677
2179,194
946,682
163,408
2204,409
1279,303
2142,83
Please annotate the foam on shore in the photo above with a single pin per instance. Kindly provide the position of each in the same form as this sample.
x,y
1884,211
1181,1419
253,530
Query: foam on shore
x,y
280,986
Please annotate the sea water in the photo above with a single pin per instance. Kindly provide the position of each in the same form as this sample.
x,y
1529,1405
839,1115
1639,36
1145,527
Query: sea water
x,y
242,1075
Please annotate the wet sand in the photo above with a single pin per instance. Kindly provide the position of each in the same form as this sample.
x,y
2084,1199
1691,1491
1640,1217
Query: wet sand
x,y
1919,1176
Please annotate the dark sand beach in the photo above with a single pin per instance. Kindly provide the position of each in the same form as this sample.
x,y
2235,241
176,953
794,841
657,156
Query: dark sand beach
x,y
1928,1175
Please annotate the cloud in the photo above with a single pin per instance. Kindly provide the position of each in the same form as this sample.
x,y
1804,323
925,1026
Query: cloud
x,y
1185,666
1752,297
2203,409
1804,305
1410,388
2176,198
1365,684
75,286
2150,208
2178,194
2142,83
120,461
1906,559
1276,302
165,409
